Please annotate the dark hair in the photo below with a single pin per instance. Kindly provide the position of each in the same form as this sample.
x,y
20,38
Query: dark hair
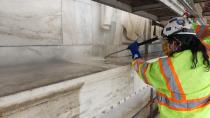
x,y
191,42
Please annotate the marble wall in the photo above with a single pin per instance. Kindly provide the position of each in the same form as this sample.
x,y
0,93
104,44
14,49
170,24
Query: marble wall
x,y
28,22
37,31
33,31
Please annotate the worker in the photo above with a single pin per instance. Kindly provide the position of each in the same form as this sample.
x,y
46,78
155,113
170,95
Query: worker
x,y
182,79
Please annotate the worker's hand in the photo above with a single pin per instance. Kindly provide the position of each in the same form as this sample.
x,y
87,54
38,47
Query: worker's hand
x,y
134,48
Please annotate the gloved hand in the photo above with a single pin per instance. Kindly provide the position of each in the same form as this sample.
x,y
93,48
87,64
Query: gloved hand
x,y
134,48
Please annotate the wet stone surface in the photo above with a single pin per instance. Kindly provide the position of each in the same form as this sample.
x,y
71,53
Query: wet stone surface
x,y
24,77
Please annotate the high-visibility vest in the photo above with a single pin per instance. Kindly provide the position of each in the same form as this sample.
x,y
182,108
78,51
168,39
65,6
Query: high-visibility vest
x,y
182,92
203,33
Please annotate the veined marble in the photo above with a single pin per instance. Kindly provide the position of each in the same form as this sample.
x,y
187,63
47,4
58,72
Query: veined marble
x,y
77,22
30,22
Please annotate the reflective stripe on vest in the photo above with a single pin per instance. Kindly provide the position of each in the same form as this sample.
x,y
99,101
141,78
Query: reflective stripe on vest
x,y
201,31
171,79
136,64
208,51
185,105
197,29
143,72
205,32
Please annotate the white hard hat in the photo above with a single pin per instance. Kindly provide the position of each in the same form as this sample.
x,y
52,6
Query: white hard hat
x,y
178,25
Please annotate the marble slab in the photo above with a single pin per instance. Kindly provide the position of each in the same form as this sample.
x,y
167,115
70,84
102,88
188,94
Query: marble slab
x,y
27,22
77,22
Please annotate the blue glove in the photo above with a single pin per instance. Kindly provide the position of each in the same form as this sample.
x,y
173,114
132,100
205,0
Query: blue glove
x,y
134,48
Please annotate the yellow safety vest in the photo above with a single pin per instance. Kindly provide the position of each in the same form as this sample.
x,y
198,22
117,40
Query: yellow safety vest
x,y
182,92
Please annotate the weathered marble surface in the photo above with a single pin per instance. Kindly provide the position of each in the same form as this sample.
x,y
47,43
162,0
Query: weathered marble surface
x,y
73,25
82,24
77,22
30,22
14,56
34,75
84,97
